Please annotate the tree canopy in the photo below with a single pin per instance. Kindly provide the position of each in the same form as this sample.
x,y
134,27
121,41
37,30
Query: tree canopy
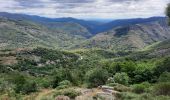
x,y
168,11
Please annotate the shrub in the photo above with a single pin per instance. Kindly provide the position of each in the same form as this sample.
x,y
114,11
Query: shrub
x,y
121,88
64,84
96,77
121,78
127,96
29,87
164,77
144,75
163,67
128,67
140,88
58,76
145,96
67,92
24,86
66,74
162,88
43,82
113,67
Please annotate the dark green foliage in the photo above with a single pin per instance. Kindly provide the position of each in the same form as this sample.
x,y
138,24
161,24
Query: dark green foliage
x,y
124,66
96,77
29,87
58,76
43,82
163,67
140,88
164,77
112,68
4,69
56,56
168,12
121,78
144,75
64,84
22,85
128,67
67,92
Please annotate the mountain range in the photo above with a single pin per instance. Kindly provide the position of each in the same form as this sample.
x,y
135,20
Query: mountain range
x,y
19,30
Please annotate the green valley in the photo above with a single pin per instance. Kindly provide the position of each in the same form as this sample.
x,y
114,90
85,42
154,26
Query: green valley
x,y
74,59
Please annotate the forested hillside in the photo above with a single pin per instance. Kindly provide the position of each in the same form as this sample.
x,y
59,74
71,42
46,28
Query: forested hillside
x,y
26,71
22,33
130,37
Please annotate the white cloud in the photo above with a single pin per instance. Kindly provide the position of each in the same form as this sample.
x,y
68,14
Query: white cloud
x,y
115,9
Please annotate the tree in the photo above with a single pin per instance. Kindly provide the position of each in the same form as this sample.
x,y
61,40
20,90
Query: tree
x,y
24,86
168,12
128,67
164,77
121,78
96,77
162,67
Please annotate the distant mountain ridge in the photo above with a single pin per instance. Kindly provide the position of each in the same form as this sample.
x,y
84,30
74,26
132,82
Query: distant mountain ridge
x,y
126,22
19,30
93,27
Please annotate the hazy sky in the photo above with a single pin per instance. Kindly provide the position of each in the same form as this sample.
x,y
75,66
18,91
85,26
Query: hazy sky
x,y
114,9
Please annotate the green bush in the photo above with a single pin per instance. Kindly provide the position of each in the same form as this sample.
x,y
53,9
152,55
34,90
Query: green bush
x,y
43,82
164,77
121,88
128,67
163,67
58,76
127,96
24,86
121,78
162,88
65,82
67,92
65,74
140,88
142,75
145,96
96,77
29,87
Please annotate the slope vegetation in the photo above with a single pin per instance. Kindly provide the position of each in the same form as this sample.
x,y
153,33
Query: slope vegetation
x,y
131,37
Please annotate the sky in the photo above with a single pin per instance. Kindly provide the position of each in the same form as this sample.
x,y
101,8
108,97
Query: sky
x,y
104,9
